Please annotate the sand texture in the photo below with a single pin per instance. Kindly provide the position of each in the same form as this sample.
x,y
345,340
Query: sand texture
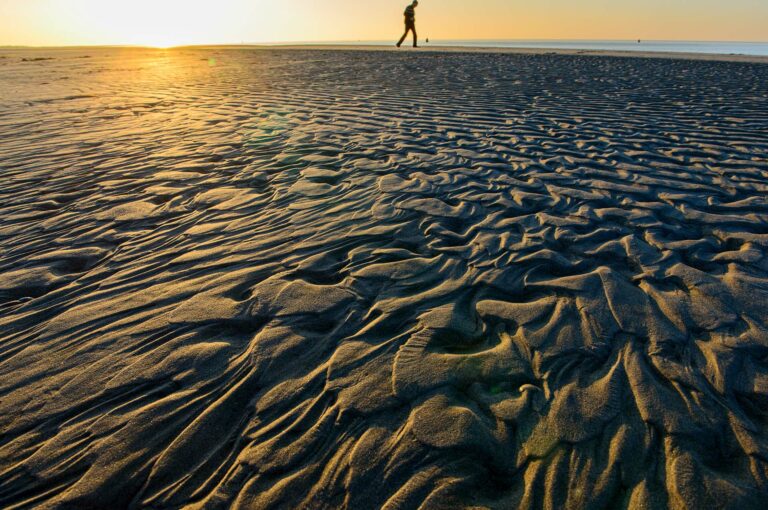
x,y
336,279
428,48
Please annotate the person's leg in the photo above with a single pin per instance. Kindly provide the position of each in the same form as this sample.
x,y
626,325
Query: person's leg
x,y
405,34
415,37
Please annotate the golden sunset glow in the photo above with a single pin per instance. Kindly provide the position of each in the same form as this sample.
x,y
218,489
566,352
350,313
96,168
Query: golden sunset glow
x,y
178,22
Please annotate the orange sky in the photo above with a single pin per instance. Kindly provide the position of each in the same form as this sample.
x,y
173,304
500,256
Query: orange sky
x,y
172,22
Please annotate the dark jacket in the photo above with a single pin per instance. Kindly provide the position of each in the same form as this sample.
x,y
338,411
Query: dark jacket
x,y
410,14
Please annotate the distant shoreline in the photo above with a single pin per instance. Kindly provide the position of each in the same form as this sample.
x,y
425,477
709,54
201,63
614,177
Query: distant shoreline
x,y
758,59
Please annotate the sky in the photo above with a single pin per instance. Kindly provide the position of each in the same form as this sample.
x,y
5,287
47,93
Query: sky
x,y
177,22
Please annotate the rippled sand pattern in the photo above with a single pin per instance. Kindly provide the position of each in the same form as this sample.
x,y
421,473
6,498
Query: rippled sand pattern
x,y
307,279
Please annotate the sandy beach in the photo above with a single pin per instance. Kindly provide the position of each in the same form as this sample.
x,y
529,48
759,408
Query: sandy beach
x,y
433,48
327,278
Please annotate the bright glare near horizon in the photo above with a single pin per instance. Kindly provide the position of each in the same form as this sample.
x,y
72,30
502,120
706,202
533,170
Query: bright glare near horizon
x,y
166,23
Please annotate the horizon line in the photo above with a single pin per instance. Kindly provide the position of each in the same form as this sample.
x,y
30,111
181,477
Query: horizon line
x,y
372,41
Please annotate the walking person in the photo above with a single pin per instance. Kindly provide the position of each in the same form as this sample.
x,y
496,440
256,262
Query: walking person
x,y
410,24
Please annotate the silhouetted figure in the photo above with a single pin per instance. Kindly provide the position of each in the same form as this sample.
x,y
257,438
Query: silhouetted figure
x,y
410,24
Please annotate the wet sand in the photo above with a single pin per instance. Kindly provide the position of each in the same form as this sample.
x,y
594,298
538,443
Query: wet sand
x,y
430,48
324,278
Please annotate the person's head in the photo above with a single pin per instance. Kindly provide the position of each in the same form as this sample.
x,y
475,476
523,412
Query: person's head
x,y
415,3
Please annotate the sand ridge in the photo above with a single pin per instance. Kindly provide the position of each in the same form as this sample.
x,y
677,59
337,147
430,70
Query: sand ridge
x,y
323,279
